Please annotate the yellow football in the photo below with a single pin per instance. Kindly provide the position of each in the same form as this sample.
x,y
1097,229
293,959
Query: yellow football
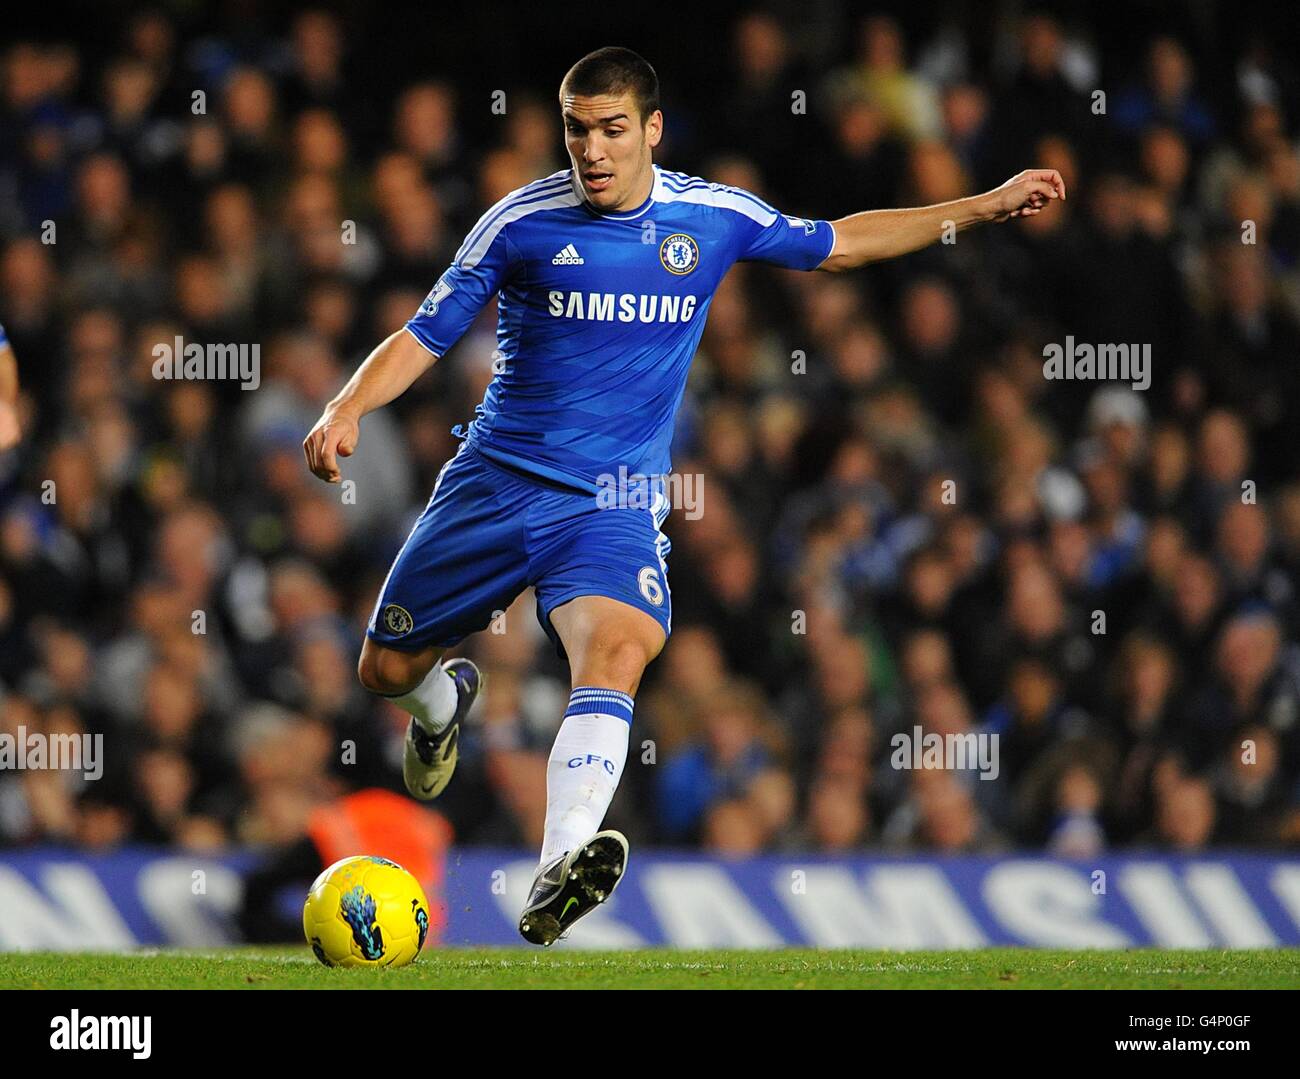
x,y
366,912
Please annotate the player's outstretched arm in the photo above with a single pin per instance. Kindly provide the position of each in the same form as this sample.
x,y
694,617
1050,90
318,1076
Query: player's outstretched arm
x,y
386,373
884,234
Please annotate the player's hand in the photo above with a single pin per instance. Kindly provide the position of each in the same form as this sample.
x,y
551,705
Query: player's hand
x,y
1026,193
335,435
10,432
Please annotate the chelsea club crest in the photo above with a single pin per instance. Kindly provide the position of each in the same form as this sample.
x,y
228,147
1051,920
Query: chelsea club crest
x,y
398,620
680,254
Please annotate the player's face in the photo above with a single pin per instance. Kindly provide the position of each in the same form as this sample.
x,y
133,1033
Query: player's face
x,y
610,149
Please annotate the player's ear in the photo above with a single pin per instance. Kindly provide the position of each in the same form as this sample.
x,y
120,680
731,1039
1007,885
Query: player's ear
x,y
654,128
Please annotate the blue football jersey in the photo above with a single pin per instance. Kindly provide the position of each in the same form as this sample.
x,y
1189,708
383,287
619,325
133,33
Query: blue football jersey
x,y
599,316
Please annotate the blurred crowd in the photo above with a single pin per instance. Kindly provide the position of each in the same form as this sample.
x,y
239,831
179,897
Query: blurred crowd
x,y
904,522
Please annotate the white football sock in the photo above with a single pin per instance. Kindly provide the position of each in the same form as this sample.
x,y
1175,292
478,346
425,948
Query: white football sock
x,y
585,766
433,702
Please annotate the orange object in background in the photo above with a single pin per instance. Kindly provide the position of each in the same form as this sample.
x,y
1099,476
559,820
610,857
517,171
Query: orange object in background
x,y
388,825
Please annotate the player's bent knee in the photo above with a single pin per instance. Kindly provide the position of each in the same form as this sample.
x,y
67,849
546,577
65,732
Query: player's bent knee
x,y
617,662
655,646
368,670
388,672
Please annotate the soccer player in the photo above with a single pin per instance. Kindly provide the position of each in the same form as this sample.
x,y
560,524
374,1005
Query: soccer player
x,y
604,273
9,432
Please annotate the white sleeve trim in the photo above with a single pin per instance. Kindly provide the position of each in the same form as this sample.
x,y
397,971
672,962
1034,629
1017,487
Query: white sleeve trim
x,y
435,355
834,239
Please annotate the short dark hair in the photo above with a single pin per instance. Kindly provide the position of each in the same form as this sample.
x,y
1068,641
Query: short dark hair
x,y
614,70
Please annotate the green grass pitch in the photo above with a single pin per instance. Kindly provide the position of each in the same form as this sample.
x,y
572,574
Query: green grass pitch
x,y
991,968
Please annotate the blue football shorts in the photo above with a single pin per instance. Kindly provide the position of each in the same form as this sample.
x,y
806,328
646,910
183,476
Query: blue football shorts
x,y
490,531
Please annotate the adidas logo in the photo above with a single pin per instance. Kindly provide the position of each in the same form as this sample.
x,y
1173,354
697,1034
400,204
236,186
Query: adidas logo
x,y
567,257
